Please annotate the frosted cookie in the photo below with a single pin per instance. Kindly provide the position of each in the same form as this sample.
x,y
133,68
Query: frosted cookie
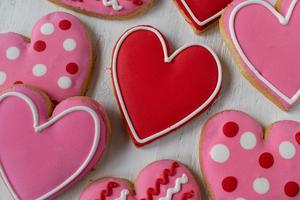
x,y
242,160
201,14
112,9
158,91
42,156
57,58
161,180
265,44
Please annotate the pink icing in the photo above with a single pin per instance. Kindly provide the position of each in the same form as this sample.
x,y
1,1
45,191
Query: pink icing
x,y
98,8
37,163
146,180
272,48
262,167
58,59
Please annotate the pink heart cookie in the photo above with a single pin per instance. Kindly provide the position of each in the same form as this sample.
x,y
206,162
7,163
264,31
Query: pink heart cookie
x,y
266,42
57,58
41,156
113,9
161,180
240,160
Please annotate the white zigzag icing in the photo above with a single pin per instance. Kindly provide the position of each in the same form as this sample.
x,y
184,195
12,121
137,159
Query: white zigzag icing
x,y
123,195
171,191
113,3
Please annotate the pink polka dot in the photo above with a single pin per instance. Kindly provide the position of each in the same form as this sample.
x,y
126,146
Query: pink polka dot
x,y
266,160
39,46
291,189
72,68
230,129
65,25
229,184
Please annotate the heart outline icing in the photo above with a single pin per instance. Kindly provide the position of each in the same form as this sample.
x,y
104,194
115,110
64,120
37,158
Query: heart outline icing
x,y
86,105
167,59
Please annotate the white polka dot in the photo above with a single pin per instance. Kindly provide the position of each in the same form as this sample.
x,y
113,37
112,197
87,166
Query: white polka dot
x,y
2,77
47,29
12,53
69,44
248,140
287,150
219,153
240,198
39,70
261,185
64,82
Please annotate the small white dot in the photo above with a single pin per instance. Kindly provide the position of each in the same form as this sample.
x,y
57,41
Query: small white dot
x,y
69,44
240,198
12,53
47,29
248,140
261,185
287,150
2,77
219,153
39,70
64,82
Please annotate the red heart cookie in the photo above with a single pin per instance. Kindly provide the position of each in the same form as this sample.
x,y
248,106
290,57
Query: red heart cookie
x,y
242,160
158,92
57,58
201,13
41,156
161,180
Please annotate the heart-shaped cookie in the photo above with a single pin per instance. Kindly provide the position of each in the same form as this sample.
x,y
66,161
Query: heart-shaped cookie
x,y
270,61
57,58
158,91
161,180
241,160
41,156
200,14
113,9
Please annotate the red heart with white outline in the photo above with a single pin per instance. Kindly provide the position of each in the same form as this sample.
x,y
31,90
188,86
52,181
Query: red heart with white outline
x,y
240,160
158,92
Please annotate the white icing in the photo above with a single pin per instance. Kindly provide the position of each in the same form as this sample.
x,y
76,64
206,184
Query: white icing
x,y
2,77
64,82
112,3
261,185
69,44
167,59
248,140
287,150
12,53
40,127
200,23
219,153
178,184
39,70
240,198
47,29
124,194
284,20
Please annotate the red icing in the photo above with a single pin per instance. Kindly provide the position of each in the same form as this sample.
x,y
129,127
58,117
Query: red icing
x,y
291,189
231,129
202,10
65,25
72,68
229,184
108,191
266,160
39,46
297,137
156,94
188,195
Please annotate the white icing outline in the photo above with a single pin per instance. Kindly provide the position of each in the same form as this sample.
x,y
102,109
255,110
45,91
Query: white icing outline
x,y
112,3
39,128
283,20
124,194
171,191
167,59
200,23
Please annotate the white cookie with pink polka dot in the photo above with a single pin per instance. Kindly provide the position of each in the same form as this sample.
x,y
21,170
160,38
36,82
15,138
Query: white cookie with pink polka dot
x,y
241,160
58,58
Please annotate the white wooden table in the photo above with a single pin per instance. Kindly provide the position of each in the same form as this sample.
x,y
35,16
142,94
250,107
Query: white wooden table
x,y
122,158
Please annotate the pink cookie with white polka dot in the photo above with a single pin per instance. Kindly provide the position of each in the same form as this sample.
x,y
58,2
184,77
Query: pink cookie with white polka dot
x,y
57,58
241,160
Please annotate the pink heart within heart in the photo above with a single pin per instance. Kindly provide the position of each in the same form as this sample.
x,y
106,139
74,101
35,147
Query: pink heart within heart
x,y
161,180
241,161
42,157
58,58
